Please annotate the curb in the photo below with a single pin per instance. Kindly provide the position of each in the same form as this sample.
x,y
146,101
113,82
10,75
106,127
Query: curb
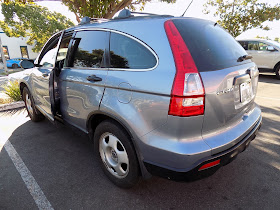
x,y
13,105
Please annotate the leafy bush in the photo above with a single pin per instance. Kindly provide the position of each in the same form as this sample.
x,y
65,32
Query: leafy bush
x,y
12,90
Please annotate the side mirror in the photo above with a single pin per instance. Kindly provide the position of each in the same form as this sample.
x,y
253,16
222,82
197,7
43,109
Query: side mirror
x,y
270,48
25,64
32,61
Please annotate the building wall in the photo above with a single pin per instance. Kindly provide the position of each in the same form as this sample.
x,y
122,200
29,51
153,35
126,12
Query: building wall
x,y
14,44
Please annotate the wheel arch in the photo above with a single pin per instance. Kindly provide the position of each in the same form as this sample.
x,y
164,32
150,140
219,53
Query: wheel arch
x,y
95,118
276,65
22,85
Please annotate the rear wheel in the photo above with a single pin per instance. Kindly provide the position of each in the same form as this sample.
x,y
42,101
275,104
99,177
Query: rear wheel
x,y
33,113
116,154
277,71
14,66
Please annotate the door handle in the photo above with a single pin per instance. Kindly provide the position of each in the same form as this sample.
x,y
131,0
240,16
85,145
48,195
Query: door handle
x,y
45,74
94,78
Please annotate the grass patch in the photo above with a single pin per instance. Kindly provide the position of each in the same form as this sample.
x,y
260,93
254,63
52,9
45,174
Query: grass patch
x,y
10,71
12,90
5,101
4,74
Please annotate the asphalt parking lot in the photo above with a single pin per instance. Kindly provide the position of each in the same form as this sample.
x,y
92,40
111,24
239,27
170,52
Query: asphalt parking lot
x,y
62,172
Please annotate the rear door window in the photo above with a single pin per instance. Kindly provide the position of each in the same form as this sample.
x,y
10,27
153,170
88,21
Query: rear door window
x,y
211,47
89,49
127,53
253,45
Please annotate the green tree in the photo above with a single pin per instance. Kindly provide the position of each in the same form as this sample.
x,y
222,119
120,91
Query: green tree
x,y
238,16
103,8
263,37
277,39
26,19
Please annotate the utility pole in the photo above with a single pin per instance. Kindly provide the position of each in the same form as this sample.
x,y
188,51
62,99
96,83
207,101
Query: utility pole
x,y
3,57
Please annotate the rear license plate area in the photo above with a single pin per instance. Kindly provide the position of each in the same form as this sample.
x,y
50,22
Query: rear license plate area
x,y
245,92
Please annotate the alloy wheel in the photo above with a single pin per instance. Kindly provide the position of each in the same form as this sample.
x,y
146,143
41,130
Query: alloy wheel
x,y
28,104
113,155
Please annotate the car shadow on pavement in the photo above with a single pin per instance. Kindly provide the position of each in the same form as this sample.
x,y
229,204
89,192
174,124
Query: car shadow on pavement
x,y
12,112
268,78
271,122
65,168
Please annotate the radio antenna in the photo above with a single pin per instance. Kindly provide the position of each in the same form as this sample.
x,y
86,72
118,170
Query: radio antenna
x,y
187,9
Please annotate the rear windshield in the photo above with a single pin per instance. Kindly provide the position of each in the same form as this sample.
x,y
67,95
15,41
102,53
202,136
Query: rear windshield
x,y
212,48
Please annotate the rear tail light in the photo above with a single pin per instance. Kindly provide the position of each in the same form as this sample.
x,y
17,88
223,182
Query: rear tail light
x,y
187,96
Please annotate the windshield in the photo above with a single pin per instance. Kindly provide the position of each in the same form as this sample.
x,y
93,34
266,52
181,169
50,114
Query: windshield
x,y
277,44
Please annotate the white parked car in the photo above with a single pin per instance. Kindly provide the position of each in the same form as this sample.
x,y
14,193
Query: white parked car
x,y
266,54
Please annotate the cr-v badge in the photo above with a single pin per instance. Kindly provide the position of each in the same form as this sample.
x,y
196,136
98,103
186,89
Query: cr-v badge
x,y
224,91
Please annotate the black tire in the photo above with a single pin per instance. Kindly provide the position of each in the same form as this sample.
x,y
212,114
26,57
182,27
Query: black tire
x,y
129,173
14,66
277,71
33,113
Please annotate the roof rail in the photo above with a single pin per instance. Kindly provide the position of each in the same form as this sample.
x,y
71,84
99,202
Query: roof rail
x,y
143,13
86,20
125,13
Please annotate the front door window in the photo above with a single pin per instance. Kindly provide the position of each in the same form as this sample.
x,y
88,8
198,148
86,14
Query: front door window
x,y
48,55
63,48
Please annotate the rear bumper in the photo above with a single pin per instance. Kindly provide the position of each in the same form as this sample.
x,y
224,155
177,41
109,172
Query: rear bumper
x,y
194,173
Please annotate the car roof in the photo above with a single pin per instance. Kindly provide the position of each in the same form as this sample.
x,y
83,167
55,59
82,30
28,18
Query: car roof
x,y
103,23
252,39
115,23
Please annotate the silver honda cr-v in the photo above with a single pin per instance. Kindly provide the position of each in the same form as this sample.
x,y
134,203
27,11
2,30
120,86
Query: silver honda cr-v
x,y
161,95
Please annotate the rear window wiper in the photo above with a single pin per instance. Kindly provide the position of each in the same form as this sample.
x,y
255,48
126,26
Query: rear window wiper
x,y
243,58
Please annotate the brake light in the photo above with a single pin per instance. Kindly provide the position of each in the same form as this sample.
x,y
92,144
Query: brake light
x,y
187,96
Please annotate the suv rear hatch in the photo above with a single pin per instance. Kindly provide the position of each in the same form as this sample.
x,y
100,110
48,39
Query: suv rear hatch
x,y
229,80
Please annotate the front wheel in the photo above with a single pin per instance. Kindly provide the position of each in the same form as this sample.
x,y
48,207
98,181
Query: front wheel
x,y
116,154
277,71
33,113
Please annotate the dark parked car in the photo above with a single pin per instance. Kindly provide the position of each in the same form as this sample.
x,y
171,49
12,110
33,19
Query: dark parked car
x,y
158,94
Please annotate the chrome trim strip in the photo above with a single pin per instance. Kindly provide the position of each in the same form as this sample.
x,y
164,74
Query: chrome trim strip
x,y
85,68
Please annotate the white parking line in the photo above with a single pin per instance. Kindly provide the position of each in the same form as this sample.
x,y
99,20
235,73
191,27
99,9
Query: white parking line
x,y
268,98
31,184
